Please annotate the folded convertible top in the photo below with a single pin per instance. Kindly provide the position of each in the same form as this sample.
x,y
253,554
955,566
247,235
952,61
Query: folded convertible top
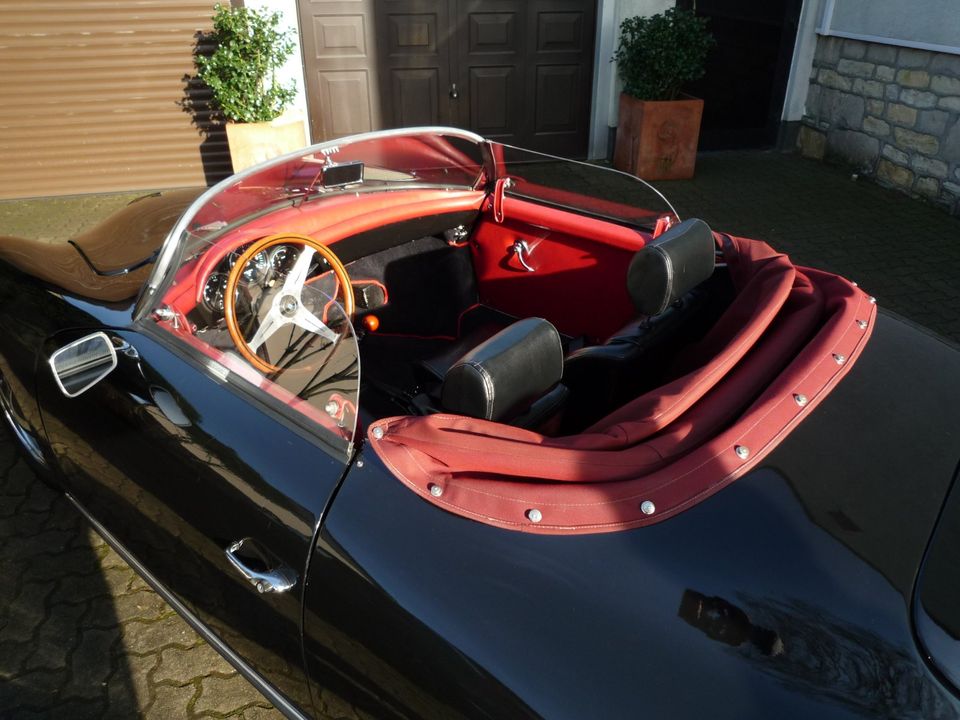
x,y
786,340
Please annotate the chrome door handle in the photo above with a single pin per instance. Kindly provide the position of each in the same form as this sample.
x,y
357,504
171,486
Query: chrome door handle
x,y
522,251
274,577
454,93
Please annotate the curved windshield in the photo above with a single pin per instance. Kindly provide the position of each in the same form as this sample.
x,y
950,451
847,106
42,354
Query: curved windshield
x,y
586,188
428,158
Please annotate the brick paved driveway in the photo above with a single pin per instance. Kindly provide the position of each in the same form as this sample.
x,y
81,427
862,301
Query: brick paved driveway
x,y
82,636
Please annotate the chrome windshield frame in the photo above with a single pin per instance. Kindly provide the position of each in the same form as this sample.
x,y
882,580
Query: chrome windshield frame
x,y
172,242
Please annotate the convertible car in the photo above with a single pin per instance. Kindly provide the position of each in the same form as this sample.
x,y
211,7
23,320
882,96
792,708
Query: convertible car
x,y
441,428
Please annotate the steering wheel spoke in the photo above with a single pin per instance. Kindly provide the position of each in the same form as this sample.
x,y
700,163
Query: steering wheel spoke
x,y
297,277
308,321
286,307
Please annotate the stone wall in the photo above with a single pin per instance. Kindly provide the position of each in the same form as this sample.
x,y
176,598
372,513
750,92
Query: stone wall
x,y
891,112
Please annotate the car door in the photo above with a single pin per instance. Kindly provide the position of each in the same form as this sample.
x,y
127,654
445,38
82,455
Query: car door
x,y
213,488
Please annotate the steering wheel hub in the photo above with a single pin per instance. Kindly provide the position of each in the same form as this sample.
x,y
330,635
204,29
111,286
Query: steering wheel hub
x,y
289,306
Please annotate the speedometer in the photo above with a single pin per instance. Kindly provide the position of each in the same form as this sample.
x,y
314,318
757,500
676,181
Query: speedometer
x,y
256,267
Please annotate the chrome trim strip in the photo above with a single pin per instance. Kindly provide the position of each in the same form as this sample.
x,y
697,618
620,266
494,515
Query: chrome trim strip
x,y
171,242
279,701
26,439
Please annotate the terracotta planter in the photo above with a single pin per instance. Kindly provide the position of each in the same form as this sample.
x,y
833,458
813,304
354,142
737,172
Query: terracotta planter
x,y
252,143
657,139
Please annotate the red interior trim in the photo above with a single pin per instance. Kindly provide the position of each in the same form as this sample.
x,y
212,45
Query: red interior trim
x,y
579,283
327,221
597,481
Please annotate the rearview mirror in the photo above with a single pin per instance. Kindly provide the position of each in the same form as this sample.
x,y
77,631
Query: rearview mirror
x,y
79,366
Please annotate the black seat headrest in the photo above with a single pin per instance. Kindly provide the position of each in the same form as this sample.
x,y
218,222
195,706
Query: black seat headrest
x,y
503,376
669,267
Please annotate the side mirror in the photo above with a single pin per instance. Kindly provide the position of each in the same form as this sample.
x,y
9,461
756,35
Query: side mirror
x,y
79,366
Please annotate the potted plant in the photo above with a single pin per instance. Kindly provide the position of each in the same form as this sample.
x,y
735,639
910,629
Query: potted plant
x,y
658,128
241,73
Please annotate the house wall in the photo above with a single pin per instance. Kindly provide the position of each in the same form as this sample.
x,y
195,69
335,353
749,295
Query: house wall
x,y
607,85
884,95
892,112
293,68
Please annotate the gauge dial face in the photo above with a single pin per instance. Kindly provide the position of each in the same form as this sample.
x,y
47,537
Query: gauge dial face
x,y
213,291
256,267
282,258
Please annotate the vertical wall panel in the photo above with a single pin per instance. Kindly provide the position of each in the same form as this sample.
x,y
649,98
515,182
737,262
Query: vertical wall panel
x,y
92,97
339,55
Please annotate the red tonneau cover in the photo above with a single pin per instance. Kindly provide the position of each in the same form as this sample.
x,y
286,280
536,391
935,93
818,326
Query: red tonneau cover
x,y
788,337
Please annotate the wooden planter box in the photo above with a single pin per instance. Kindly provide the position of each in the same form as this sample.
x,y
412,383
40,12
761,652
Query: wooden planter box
x,y
657,139
252,143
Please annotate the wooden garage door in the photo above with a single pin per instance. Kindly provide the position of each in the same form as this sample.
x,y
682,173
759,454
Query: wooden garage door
x,y
519,71
91,97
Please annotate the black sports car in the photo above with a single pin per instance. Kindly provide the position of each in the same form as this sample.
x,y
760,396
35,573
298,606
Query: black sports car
x,y
452,429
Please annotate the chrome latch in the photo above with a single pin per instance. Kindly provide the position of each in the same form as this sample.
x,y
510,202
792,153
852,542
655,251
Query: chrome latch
x,y
522,251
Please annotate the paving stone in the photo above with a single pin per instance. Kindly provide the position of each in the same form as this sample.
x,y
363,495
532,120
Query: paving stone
x,y
260,712
18,480
37,689
146,637
56,638
75,561
90,664
13,656
901,114
170,702
27,613
128,689
180,666
223,695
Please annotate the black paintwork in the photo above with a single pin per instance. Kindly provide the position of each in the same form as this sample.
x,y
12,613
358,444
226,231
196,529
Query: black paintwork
x,y
787,594
432,614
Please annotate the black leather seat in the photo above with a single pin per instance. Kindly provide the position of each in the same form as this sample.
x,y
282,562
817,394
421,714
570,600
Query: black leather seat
x,y
665,281
513,377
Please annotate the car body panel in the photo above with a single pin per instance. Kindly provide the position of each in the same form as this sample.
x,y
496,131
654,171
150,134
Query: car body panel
x,y
818,546
179,466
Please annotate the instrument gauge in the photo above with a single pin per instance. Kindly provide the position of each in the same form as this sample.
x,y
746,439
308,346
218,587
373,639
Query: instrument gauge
x,y
213,291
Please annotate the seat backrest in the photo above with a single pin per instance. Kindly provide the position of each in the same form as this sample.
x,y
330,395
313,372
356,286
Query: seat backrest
x,y
504,376
669,267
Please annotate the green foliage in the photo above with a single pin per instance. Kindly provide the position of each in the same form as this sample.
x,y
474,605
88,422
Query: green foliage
x,y
658,54
241,72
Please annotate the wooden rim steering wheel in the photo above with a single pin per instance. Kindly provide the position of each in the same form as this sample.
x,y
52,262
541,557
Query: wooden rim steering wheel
x,y
287,306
